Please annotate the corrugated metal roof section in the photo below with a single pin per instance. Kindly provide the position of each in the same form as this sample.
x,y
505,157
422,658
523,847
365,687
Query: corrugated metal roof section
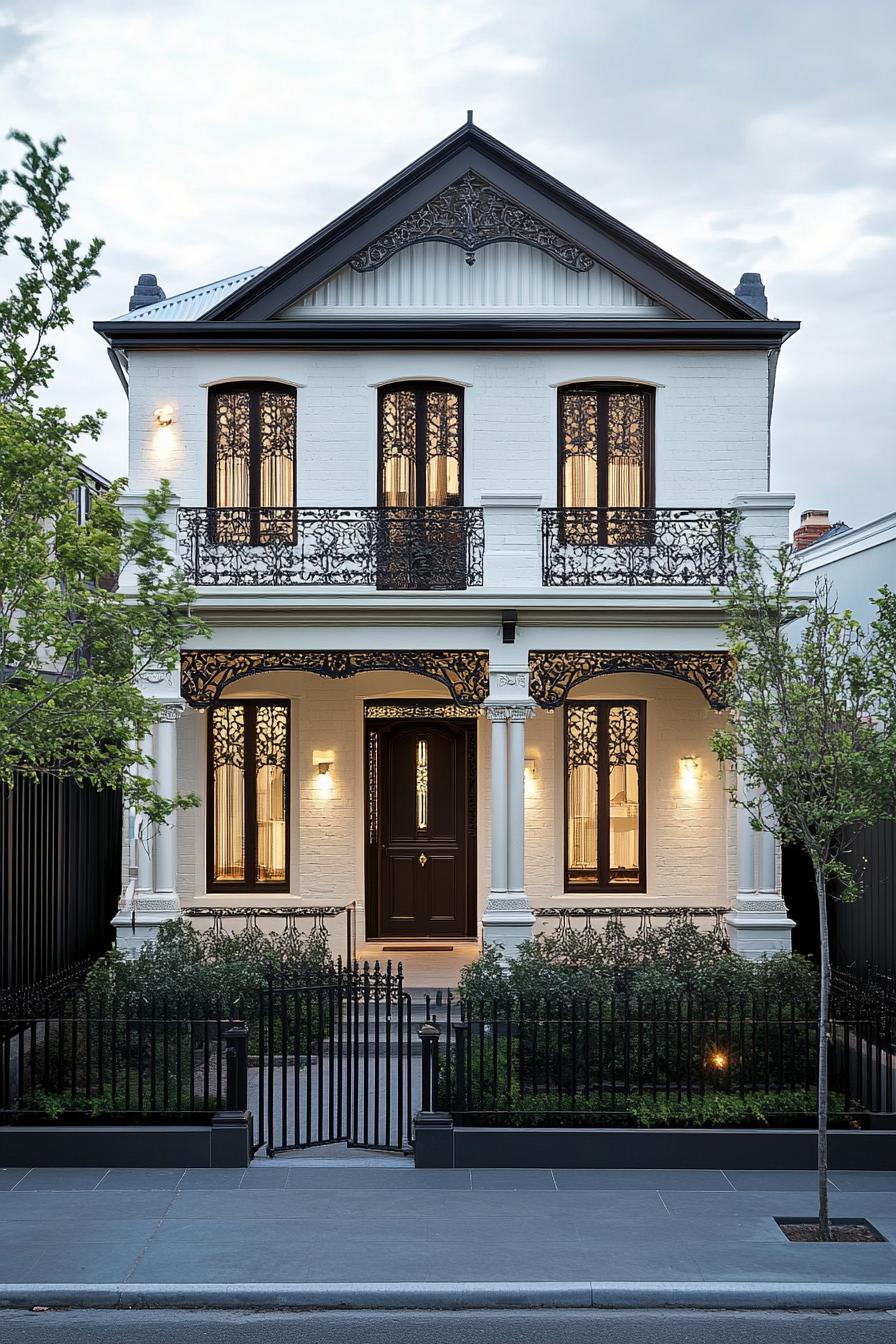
x,y
192,304
504,275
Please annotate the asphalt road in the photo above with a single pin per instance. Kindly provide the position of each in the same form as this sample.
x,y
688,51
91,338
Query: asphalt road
x,y
421,1327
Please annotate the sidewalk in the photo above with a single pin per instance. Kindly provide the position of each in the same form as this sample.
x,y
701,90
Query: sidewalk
x,y
373,1231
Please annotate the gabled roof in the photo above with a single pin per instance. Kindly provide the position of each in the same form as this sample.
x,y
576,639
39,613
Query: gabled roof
x,y
411,207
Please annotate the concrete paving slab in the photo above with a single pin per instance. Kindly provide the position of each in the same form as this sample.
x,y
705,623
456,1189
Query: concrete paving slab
x,y
645,1179
62,1178
774,1180
25,1205
881,1181
512,1178
11,1176
375,1178
142,1178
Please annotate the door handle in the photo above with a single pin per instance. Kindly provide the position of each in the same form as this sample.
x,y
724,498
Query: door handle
x,y
422,860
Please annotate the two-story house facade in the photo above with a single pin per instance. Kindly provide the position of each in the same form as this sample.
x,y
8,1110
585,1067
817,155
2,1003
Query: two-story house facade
x,y
455,481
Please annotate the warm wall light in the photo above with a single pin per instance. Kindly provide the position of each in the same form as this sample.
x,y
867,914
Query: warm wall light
x,y
690,766
323,760
531,767
718,1059
164,415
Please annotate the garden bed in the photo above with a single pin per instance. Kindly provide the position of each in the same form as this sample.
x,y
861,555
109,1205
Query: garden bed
x,y
222,1140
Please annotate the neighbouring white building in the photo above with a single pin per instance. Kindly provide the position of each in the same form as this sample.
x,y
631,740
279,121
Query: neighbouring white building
x,y
455,479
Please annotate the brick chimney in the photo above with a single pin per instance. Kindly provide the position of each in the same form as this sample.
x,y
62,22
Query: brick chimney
x,y
814,523
147,290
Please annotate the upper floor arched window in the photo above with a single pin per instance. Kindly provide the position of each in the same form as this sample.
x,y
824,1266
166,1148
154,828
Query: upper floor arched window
x,y
252,446
420,445
605,446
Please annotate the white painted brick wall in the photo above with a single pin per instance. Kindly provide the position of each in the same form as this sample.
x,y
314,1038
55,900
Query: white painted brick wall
x,y
711,423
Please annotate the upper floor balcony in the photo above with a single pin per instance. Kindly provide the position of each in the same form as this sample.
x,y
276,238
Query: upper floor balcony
x,y
637,546
453,548
419,549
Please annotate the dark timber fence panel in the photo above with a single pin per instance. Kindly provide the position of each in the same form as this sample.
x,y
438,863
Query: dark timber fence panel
x,y
60,876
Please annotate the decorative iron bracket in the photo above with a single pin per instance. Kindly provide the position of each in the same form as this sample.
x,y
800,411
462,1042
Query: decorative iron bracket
x,y
205,674
553,675
471,213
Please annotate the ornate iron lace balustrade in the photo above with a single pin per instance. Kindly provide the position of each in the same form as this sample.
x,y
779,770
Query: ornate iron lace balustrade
x,y
592,547
393,549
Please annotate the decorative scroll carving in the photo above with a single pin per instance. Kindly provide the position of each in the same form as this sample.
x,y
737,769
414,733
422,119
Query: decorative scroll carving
x,y
553,675
205,674
419,709
470,214
590,547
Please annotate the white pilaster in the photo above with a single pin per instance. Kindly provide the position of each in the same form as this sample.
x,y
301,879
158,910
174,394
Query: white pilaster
x,y
166,780
507,920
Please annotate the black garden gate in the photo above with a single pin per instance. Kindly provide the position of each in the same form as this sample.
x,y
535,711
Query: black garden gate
x,y
335,1062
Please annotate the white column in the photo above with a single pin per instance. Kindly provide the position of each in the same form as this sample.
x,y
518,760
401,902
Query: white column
x,y
166,781
143,839
498,718
759,924
507,920
746,841
154,901
516,800
768,853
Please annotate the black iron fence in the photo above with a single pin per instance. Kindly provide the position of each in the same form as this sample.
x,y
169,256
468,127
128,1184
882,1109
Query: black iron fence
x,y
60,877
590,547
86,1056
618,1059
401,548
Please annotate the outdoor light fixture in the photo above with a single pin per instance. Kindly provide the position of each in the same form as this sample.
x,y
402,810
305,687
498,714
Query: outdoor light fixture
x,y
323,760
690,766
164,415
718,1059
531,767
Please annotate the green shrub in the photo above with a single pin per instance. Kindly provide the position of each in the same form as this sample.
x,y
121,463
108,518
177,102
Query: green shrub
x,y
182,964
714,1110
653,964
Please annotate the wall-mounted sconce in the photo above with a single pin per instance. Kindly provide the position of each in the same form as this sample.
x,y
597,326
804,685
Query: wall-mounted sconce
x,y
164,416
690,767
531,767
323,760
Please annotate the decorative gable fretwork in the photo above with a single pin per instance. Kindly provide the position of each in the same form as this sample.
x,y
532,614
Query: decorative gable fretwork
x,y
553,675
206,673
471,213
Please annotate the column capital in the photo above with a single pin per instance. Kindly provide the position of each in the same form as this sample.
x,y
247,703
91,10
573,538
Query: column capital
x,y
171,710
515,712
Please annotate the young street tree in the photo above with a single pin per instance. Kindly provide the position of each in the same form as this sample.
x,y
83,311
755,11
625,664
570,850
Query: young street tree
x,y
812,736
71,645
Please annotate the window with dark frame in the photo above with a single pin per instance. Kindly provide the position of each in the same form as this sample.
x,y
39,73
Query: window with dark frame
x,y
420,446
252,448
248,791
605,443
604,791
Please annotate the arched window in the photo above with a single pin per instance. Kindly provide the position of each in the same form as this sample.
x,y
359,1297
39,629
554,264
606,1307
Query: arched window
x,y
252,446
420,446
605,447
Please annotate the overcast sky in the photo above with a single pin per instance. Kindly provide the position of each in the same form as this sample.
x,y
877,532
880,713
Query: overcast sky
x,y
208,136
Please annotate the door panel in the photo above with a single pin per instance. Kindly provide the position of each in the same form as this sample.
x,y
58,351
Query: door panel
x,y
423,847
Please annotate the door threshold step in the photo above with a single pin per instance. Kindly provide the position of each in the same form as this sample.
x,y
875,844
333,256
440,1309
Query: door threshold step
x,y
418,947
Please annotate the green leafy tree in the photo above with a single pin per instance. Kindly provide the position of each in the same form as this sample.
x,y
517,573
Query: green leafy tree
x,y
812,731
72,645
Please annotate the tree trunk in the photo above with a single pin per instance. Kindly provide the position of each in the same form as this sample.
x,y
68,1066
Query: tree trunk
x,y
824,1222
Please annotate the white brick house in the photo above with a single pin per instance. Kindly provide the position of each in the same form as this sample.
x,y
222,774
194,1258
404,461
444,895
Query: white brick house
x,y
454,480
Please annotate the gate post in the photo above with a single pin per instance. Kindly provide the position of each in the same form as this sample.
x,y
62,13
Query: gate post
x,y
428,1035
433,1130
232,1142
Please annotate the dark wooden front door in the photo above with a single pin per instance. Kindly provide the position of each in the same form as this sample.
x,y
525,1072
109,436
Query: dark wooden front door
x,y
421,854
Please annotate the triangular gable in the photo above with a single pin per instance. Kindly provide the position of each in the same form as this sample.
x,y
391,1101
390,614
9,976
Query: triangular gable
x,y
470,190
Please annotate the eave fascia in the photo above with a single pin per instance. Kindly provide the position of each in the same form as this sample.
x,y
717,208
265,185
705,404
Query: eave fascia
x,y
386,334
